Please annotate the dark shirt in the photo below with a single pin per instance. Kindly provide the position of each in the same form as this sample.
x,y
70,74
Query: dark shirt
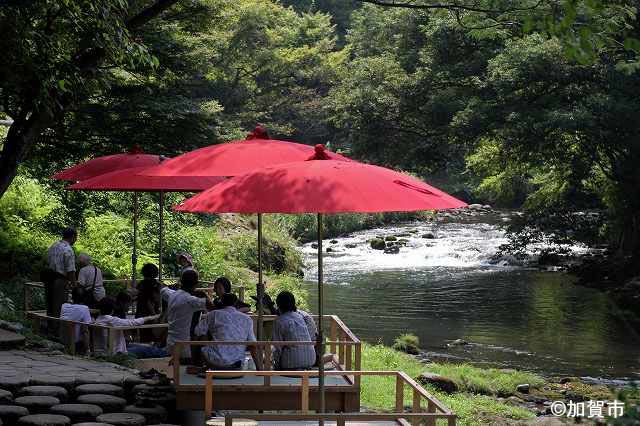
x,y
148,301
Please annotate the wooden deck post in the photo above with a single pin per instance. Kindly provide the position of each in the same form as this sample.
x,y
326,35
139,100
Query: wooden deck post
x,y
305,394
72,338
399,394
111,341
208,396
358,363
27,297
416,407
431,408
334,334
348,364
177,352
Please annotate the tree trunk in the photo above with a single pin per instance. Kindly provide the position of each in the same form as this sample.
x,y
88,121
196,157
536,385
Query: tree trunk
x,y
21,137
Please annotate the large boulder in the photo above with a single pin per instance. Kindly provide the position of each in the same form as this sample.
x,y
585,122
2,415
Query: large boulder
x,y
78,412
9,414
122,419
37,404
44,420
99,388
442,383
108,403
55,391
378,244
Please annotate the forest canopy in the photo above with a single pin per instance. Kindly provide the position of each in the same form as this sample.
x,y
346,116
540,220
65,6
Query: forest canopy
x,y
521,103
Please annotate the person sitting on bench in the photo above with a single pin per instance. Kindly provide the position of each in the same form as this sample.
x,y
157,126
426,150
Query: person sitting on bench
x,y
106,317
222,286
78,311
227,324
290,326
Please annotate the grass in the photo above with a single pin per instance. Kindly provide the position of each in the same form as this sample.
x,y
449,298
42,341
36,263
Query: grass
x,y
409,343
472,409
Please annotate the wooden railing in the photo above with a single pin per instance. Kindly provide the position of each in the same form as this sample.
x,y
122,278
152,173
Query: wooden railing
x,y
68,327
425,408
29,287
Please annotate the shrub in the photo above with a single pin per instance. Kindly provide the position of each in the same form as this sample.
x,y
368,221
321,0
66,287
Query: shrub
x,y
408,343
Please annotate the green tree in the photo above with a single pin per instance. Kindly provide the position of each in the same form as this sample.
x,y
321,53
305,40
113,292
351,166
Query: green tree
x,y
56,54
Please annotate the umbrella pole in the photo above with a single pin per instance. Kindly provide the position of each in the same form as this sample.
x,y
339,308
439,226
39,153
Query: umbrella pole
x,y
161,236
320,343
260,289
134,254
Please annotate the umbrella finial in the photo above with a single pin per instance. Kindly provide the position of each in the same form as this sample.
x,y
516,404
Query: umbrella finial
x,y
320,153
258,133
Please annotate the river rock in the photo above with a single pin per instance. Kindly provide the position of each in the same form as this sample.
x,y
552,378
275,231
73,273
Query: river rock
x,y
428,236
329,250
390,238
333,241
523,388
403,235
351,245
378,244
6,397
440,382
475,207
392,250
314,245
458,342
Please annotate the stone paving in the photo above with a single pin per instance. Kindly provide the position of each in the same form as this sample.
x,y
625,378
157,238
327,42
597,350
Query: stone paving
x,y
19,368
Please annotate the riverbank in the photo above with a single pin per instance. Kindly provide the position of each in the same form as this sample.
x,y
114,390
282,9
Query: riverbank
x,y
480,396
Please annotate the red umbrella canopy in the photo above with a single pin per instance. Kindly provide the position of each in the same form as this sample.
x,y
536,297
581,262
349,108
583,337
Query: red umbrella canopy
x,y
320,186
108,163
237,157
131,180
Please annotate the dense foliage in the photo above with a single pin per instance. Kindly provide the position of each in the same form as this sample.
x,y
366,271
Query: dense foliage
x,y
519,104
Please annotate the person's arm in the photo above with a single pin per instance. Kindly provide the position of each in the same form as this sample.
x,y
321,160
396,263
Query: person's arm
x,y
202,328
165,293
70,266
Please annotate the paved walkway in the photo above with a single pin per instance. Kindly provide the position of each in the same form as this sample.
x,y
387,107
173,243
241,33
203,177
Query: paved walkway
x,y
20,368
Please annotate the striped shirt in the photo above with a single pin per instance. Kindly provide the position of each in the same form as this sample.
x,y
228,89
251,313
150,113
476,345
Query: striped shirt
x,y
226,324
61,257
291,326
180,309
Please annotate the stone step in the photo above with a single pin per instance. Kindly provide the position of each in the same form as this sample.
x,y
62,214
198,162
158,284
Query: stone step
x,y
122,419
44,420
37,404
10,414
10,340
78,412
108,403
55,391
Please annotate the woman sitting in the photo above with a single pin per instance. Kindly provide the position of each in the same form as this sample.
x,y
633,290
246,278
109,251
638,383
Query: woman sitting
x,y
222,286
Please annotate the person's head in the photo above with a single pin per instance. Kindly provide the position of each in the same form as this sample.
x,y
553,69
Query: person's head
x,y
123,298
150,271
221,286
286,302
184,259
84,259
106,305
189,280
229,299
70,235
78,295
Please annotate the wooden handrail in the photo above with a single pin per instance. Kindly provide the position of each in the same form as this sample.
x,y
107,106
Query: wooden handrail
x,y
402,378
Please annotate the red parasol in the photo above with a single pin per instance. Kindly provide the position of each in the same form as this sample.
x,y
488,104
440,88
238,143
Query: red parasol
x,y
108,163
132,180
321,186
236,157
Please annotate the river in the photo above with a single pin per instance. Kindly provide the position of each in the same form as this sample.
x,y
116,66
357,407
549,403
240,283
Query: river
x,y
446,288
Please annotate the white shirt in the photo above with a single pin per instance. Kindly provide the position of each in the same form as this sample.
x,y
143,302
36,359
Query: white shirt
x,y
121,343
61,257
73,312
311,324
180,309
291,327
85,279
226,324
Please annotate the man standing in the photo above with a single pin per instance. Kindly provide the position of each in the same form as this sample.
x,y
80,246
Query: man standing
x,y
181,305
62,265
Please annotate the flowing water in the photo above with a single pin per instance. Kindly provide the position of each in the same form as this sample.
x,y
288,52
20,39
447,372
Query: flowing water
x,y
447,288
